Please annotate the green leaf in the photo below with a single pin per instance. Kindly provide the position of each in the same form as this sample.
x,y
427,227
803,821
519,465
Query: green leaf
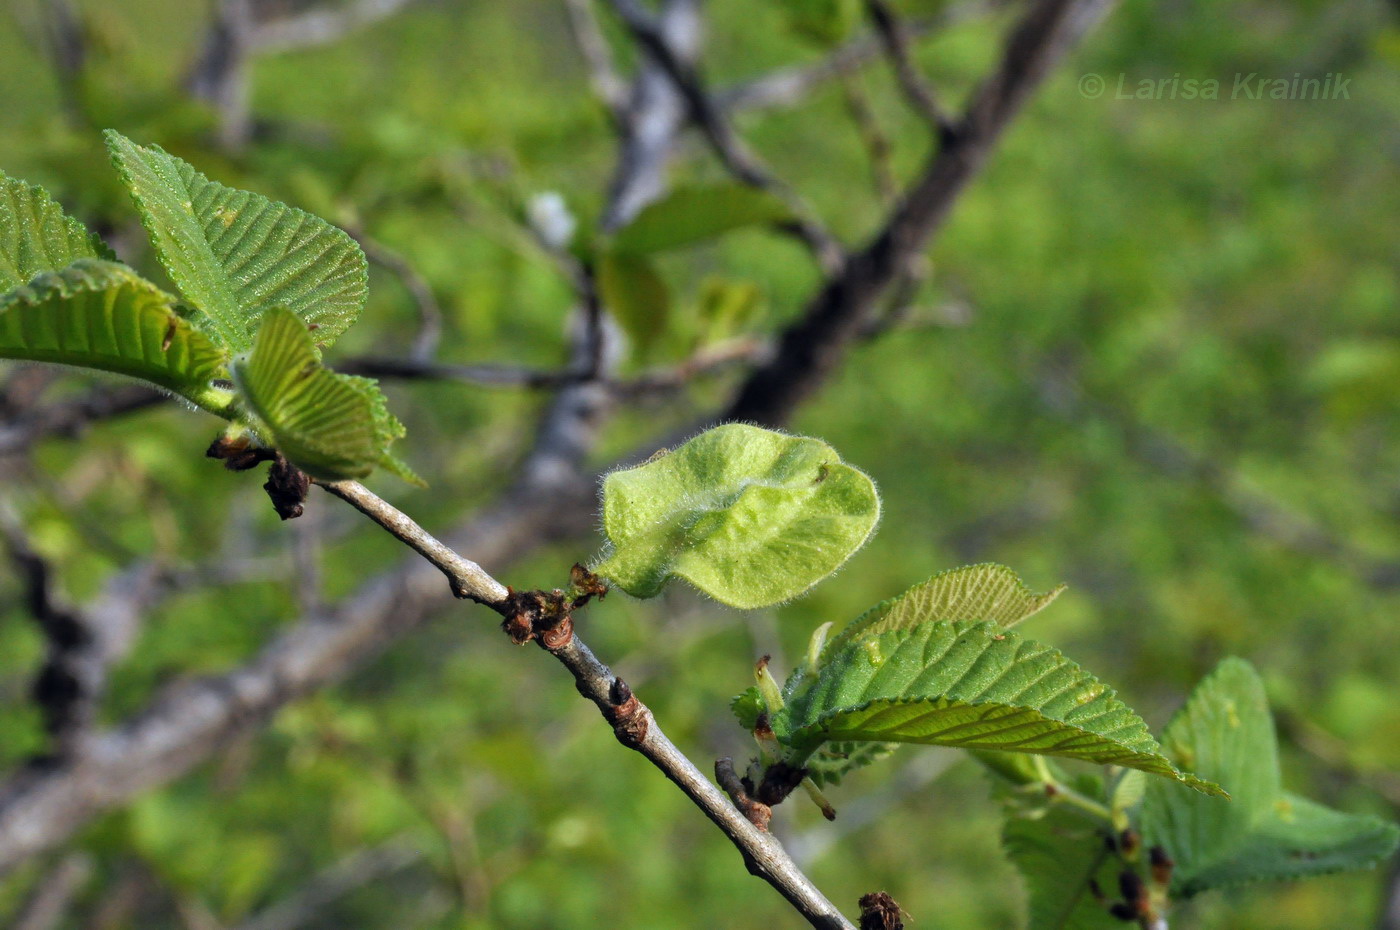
x,y
834,761
825,22
636,294
102,315
1057,853
976,687
36,236
690,215
235,254
329,425
750,516
1226,732
973,593
746,706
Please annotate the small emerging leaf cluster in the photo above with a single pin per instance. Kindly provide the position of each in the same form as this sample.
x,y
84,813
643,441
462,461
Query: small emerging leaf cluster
x,y
263,289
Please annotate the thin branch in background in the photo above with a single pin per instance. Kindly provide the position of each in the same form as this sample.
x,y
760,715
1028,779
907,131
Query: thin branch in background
x,y
219,75
48,904
608,84
20,429
876,141
68,49
320,25
714,125
894,36
309,903
787,87
810,349
425,343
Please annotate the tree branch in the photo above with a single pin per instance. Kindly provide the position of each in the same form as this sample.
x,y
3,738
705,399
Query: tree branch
x,y
894,36
811,348
714,125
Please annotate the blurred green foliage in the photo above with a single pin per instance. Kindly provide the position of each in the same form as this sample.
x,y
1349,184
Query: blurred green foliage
x,y
1158,358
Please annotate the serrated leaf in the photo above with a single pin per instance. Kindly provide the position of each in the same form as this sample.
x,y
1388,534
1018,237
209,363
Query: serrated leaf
x,y
834,761
636,294
329,425
746,707
37,236
750,516
1057,854
235,254
976,687
1226,732
989,592
690,215
102,315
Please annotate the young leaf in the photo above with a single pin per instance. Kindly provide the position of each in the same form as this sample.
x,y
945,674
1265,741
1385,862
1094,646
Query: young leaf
x,y
1226,732
37,236
975,592
834,761
102,315
749,516
1058,854
690,215
975,687
636,294
331,426
235,254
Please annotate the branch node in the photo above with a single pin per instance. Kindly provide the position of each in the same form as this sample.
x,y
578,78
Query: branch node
x,y
628,716
238,453
758,813
879,911
287,487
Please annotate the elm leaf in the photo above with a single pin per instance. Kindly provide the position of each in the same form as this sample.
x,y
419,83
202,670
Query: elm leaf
x,y
37,236
331,426
102,315
690,215
235,254
974,687
1226,732
750,516
973,593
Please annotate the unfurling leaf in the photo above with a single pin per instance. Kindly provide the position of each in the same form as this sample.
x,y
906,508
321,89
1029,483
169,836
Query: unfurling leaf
x,y
973,593
329,425
36,236
235,254
1226,732
976,687
102,315
749,516
691,215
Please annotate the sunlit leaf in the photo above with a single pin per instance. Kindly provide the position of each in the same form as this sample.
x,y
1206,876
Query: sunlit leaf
x,y
331,426
102,315
690,215
750,516
1226,732
976,592
36,236
234,254
976,687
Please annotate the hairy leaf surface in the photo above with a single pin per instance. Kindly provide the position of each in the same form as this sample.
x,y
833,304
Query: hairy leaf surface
x,y
690,215
102,315
975,687
1057,855
1226,732
331,426
234,254
37,236
973,593
749,516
